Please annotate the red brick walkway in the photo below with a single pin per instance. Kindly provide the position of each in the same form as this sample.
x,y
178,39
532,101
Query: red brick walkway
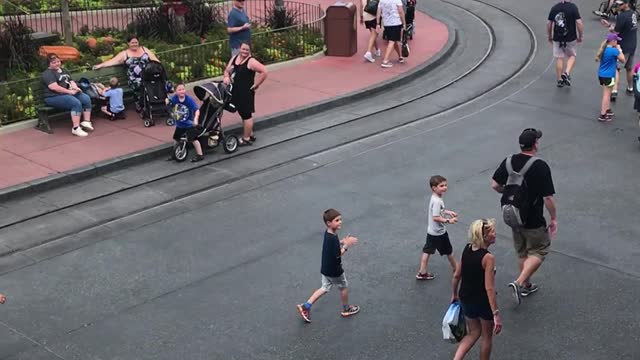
x,y
30,154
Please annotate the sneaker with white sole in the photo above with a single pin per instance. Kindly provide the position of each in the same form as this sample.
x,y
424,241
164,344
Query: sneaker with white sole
x,y
369,57
528,290
516,292
86,125
79,132
351,310
401,60
378,53
386,65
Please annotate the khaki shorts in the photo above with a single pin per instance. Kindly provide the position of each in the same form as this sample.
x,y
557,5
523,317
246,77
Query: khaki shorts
x,y
532,242
568,51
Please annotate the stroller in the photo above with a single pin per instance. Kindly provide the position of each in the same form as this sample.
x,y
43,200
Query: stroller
x,y
215,97
154,94
409,17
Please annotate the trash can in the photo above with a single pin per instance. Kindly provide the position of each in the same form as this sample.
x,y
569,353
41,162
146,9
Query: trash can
x,y
341,35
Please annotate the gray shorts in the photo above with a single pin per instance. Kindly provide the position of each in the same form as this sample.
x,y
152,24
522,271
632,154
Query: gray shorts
x,y
569,50
628,57
328,282
532,242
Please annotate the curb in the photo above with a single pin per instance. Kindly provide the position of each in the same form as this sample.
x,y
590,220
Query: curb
x,y
106,166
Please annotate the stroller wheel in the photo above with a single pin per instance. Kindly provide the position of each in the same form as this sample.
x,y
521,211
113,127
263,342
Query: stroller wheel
x,y
170,122
147,123
230,144
180,151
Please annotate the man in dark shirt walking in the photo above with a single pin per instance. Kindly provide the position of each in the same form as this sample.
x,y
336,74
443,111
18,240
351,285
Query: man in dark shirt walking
x,y
564,30
533,239
332,273
626,26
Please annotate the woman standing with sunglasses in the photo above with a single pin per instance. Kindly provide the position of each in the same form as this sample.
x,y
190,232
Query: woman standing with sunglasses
x,y
477,291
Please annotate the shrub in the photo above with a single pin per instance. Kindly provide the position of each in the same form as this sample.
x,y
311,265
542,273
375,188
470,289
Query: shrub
x,y
280,17
202,17
16,45
154,23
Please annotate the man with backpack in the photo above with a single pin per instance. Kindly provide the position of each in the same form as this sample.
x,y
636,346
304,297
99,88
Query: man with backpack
x,y
564,30
526,186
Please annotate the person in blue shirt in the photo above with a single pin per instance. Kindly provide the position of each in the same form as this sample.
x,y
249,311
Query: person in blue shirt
x,y
238,27
114,106
608,55
186,114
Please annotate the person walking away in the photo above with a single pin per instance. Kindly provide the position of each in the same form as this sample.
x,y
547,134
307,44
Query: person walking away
x,y
626,26
187,114
608,55
565,31
391,15
532,238
243,68
437,236
368,18
474,284
332,273
238,27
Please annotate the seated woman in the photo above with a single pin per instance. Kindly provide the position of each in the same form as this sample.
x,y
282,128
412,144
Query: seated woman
x,y
61,92
135,58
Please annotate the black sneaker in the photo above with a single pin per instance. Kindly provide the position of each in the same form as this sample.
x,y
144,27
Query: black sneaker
x,y
610,114
604,117
560,83
197,158
425,276
528,290
566,79
516,291
614,96
352,310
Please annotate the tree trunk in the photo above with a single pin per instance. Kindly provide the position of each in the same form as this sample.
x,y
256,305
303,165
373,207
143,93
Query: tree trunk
x,y
66,22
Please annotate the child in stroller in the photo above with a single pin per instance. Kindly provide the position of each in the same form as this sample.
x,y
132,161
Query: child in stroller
x,y
215,97
154,93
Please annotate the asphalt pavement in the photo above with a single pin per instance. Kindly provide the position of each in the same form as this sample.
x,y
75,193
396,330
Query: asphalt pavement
x,y
217,274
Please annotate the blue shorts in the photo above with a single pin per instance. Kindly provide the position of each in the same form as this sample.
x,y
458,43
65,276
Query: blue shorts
x,y
480,310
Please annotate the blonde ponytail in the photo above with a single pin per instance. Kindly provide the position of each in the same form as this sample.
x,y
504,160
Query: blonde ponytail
x,y
478,231
601,51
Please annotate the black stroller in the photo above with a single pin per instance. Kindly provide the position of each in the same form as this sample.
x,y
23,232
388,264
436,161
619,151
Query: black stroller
x,y
154,94
215,97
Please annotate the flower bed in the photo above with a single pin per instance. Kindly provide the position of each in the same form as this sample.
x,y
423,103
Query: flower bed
x,y
187,57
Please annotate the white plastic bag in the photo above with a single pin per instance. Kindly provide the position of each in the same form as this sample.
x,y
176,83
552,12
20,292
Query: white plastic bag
x,y
450,317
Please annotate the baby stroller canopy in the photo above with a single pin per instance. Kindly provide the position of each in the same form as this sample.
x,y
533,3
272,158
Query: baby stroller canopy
x,y
217,92
154,71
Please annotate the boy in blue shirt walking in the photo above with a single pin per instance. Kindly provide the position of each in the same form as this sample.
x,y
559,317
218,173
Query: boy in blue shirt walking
x,y
186,113
608,55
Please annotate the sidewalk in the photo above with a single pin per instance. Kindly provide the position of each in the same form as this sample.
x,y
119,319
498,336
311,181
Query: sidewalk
x,y
29,154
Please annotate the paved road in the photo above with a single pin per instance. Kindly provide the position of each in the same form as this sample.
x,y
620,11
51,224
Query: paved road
x,y
217,276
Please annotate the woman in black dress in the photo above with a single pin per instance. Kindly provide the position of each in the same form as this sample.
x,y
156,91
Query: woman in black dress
x,y
242,70
477,292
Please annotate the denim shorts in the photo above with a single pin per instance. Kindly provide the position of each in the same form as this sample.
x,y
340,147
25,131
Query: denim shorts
x,y
474,310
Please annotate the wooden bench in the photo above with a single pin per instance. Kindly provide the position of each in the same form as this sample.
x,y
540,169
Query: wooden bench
x,y
46,113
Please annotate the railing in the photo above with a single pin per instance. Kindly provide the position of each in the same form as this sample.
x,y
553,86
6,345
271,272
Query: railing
x,y
192,63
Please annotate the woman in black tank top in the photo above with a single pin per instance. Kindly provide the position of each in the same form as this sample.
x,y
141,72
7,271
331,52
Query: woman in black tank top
x,y
242,70
477,293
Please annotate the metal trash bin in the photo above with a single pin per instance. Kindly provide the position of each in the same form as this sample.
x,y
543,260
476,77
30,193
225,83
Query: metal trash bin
x,y
341,35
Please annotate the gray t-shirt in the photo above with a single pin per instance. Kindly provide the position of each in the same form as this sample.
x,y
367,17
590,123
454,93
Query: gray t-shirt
x,y
436,208
51,76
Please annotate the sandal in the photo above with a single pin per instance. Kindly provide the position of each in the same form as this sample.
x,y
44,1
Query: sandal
x,y
244,142
252,138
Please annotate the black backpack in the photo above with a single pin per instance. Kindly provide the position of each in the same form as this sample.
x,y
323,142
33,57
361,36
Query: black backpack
x,y
514,199
371,7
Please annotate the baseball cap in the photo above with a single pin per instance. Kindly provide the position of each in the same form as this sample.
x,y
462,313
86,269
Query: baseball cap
x,y
622,1
528,137
613,36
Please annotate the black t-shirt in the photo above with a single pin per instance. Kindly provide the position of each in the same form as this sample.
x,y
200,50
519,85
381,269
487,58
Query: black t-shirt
x,y
62,78
331,258
627,29
565,15
539,185
472,288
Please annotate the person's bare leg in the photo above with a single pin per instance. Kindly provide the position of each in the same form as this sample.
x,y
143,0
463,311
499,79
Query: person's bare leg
x,y
559,68
75,119
387,52
487,339
198,147
423,263
452,262
396,46
373,35
530,266
316,295
344,296
473,334
630,79
247,126
570,62
87,115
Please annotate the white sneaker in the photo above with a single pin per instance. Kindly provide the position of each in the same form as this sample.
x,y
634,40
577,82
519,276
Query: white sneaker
x,y
386,65
368,57
79,132
86,125
378,53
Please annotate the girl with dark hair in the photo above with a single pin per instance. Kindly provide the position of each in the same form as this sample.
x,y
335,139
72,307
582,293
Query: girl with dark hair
x,y
61,92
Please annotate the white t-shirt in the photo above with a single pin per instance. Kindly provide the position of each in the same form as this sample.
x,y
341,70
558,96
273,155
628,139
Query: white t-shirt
x,y
436,208
389,12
